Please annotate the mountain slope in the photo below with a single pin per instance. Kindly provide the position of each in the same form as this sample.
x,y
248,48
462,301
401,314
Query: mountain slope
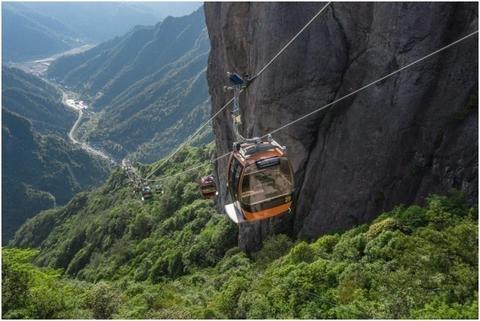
x,y
393,143
100,21
110,232
39,172
148,85
33,30
28,35
40,167
175,258
36,100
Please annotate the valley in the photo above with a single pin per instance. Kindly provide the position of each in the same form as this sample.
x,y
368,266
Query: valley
x,y
367,208
41,168
80,107
69,99
39,67
149,87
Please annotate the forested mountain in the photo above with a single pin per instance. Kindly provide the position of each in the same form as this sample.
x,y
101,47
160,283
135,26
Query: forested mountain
x,y
40,168
384,222
39,171
176,257
36,100
149,86
28,35
100,21
39,29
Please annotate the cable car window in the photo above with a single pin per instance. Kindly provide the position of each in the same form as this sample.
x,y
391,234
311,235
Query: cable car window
x,y
235,172
264,163
260,185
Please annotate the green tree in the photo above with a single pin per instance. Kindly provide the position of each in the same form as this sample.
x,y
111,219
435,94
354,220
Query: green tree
x,y
104,300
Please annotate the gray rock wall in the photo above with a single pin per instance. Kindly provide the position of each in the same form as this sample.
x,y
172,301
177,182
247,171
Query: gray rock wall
x,y
396,142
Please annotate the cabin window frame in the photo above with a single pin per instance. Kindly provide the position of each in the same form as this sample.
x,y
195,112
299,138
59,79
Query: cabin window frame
x,y
234,176
265,203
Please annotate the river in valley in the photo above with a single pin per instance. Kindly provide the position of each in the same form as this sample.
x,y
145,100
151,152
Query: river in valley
x,y
70,99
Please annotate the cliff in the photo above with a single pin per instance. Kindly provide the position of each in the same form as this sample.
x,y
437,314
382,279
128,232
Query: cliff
x,y
396,142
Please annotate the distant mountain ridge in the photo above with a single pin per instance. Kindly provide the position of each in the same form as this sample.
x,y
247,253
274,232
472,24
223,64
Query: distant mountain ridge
x,y
149,86
33,30
36,100
29,35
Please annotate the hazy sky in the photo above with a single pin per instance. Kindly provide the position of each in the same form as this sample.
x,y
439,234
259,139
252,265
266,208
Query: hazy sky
x,y
158,8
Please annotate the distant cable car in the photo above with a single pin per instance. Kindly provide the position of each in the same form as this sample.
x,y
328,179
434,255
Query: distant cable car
x,y
260,181
158,189
146,193
208,188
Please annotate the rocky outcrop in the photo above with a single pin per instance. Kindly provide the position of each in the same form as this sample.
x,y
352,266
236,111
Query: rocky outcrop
x,y
396,142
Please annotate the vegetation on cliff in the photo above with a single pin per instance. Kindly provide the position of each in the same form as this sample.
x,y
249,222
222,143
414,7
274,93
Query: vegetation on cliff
x,y
176,257
36,100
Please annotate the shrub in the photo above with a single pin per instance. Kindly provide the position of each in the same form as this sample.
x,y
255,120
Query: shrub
x,y
104,300
302,252
273,248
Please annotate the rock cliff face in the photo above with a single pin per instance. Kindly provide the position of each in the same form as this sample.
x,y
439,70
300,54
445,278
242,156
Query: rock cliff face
x,y
396,142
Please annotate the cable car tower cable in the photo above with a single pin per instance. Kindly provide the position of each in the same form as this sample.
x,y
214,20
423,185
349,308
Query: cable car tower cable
x,y
335,101
248,82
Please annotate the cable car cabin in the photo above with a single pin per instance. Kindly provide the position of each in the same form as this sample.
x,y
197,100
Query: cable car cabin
x,y
260,181
158,189
146,193
208,188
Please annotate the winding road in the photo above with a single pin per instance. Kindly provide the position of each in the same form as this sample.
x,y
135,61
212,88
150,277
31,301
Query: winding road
x,y
78,107
38,68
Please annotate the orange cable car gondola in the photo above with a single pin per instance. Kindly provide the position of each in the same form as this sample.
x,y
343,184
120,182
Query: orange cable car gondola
x,y
260,181
208,187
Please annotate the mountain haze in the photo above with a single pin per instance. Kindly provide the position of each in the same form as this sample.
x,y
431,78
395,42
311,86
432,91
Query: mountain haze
x,y
149,86
100,21
32,30
40,167
384,223
27,34
36,100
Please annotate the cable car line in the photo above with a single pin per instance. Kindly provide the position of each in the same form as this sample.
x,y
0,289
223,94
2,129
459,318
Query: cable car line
x,y
291,40
371,84
248,81
191,137
335,101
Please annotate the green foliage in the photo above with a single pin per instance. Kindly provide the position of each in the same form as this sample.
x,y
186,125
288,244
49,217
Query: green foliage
x,y
104,300
301,253
41,169
37,293
228,298
273,248
175,257
174,234
149,84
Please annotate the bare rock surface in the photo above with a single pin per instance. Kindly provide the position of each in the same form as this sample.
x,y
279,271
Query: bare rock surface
x,y
396,142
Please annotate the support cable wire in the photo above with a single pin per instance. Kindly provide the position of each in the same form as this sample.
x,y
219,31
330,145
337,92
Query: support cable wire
x,y
232,99
336,100
370,84
291,40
